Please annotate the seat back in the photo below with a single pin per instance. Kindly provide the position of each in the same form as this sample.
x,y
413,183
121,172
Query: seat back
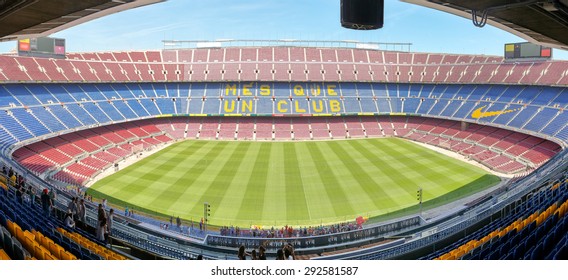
x,y
4,256
19,252
8,244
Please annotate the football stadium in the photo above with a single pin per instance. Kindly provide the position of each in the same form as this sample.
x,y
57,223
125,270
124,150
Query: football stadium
x,y
326,150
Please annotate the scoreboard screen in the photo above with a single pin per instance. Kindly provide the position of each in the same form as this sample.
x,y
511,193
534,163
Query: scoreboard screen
x,y
527,50
42,47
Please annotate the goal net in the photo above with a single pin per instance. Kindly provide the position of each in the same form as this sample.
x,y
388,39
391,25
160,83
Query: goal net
x,y
137,149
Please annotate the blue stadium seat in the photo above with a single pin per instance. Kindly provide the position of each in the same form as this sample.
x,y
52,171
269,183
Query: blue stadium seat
x,y
1,237
111,111
562,253
18,250
124,109
537,253
8,244
65,116
518,252
80,113
2,219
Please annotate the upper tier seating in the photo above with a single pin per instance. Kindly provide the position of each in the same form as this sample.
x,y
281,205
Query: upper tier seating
x,y
282,64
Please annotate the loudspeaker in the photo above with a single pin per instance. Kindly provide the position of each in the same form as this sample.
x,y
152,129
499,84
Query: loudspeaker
x,y
362,14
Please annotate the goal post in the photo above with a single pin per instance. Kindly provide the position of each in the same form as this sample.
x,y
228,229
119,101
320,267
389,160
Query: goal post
x,y
137,149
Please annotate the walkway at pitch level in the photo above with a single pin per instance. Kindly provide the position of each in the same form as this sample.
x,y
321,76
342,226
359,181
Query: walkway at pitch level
x,y
195,235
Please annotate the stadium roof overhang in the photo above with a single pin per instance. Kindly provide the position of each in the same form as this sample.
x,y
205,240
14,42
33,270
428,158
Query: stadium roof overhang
x,y
35,18
541,22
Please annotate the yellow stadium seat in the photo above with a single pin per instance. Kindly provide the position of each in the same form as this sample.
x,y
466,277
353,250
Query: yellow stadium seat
x,y
47,254
45,242
514,224
545,215
30,235
98,251
539,220
530,220
17,227
10,227
89,247
20,234
55,249
38,252
4,256
66,256
509,228
460,254
549,211
107,256
49,257
42,252
28,244
85,243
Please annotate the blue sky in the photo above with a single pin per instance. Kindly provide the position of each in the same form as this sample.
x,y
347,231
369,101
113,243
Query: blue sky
x,y
144,28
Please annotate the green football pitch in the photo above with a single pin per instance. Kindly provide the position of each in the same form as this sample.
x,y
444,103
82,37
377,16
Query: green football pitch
x,y
294,183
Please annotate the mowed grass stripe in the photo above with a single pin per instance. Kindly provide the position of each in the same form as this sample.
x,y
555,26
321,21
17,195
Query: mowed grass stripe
x,y
447,177
229,172
295,183
333,191
275,195
231,158
366,184
179,174
190,198
319,204
204,176
187,165
398,184
385,179
422,175
194,163
131,182
190,164
295,195
372,162
252,183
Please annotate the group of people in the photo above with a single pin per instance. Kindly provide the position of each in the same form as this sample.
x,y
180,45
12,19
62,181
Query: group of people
x,y
24,192
104,223
285,253
76,213
289,231
47,199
